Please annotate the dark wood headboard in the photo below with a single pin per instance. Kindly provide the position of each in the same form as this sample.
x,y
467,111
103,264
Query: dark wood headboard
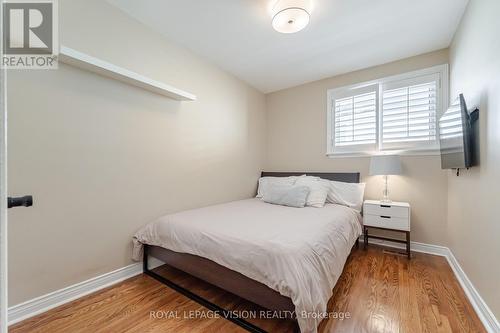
x,y
346,177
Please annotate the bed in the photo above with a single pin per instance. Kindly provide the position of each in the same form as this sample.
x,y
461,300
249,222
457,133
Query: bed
x,y
281,258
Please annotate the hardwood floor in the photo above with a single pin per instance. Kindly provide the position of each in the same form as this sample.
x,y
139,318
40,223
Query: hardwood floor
x,y
382,292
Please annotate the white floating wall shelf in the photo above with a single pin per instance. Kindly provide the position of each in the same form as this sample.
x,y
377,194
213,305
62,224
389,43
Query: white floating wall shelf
x,y
84,61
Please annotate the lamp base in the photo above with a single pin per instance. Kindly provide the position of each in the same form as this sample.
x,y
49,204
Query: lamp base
x,y
385,198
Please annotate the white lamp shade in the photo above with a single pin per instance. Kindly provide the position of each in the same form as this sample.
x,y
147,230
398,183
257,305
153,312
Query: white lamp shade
x,y
385,165
290,16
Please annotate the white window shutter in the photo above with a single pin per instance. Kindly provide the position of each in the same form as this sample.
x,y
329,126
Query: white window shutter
x,y
355,120
409,113
397,114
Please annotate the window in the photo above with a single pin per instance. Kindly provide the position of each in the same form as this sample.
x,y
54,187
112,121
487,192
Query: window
x,y
391,114
355,119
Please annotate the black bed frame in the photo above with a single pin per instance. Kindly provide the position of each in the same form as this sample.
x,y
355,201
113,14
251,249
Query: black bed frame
x,y
200,300
227,314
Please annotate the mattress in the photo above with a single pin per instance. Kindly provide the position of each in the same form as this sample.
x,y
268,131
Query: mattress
x,y
299,252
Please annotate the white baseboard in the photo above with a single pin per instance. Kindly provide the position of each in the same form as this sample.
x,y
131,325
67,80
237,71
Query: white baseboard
x,y
484,313
415,247
46,302
51,300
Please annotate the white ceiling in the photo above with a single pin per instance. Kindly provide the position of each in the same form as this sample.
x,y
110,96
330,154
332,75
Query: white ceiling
x,y
344,35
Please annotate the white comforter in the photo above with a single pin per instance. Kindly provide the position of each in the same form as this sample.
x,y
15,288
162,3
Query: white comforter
x,y
299,252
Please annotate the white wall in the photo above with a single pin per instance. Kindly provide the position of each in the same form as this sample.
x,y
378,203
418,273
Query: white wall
x,y
296,131
103,158
473,198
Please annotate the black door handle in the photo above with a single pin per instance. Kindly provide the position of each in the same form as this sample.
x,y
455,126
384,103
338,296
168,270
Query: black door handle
x,y
26,201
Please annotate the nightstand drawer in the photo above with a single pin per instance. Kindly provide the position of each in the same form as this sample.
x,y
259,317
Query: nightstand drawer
x,y
388,222
386,210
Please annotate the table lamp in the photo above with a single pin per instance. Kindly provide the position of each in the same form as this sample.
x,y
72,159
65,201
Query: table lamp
x,y
385,165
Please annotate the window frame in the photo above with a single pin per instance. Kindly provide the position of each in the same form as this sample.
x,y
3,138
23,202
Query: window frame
x,y
422,148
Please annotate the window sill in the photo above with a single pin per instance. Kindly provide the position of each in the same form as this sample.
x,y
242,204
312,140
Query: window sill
x,y
429,152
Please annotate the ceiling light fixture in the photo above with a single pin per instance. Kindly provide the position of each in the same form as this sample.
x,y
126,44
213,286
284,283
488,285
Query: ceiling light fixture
x,y
290,16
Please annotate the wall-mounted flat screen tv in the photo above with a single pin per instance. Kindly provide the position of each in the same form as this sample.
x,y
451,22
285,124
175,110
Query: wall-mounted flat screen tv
x,y
457,136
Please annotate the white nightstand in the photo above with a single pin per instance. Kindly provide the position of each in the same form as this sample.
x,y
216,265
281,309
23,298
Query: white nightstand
x,y
394,216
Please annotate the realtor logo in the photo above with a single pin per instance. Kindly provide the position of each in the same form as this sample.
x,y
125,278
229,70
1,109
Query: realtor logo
x,y
30,39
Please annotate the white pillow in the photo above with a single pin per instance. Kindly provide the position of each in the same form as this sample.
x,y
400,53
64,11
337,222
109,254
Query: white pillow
x,y
318,191
286,195
265,182
347,194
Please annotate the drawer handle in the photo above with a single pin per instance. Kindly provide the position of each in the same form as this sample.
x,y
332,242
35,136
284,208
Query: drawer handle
x,y
385,217
385,206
